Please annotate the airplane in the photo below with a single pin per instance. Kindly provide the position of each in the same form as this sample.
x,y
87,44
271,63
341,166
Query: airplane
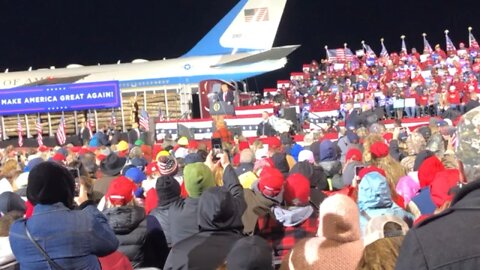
x,y
238,47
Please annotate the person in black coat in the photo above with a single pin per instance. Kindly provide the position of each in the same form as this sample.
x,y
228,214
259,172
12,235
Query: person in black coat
x,y
84,133
219,220
265,129
102,136
197,178
446,240
133,134
352,117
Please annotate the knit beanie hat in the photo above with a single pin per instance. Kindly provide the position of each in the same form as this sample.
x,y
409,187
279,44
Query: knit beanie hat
x,y
120,191
50,183
296,190
251,252
427,171
280,162
270,182
354,154
168,165
379,150
168,189
197,178
135,174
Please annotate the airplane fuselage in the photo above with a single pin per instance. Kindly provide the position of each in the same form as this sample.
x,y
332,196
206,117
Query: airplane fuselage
x,y
184,70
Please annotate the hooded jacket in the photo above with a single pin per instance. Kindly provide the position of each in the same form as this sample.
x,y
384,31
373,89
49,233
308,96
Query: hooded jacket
x,y
130,227
375,199
183,223
220,227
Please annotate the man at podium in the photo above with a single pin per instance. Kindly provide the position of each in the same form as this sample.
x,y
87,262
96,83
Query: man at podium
x,y
226,94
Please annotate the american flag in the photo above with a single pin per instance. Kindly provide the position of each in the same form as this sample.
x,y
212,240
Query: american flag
x,y
20,131
368,51
455,141
450,47
143,118
426,46
473,44
339,55
256,14
90,123
61,136
38,126
384,52
113,119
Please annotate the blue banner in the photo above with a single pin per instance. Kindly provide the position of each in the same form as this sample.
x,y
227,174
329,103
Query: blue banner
x,y
60,97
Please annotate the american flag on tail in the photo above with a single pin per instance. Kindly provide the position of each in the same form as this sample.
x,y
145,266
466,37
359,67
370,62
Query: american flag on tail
x,y
384,52
38,126
19,131
450,46
426,46
61,136
113,119
143,119
404,46
256,14
472,42
339,55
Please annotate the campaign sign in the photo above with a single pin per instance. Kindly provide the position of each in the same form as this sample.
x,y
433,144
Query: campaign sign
x,y
59,97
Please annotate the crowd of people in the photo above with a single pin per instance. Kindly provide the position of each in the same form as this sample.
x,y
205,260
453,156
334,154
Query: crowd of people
x,y
435,83
376,198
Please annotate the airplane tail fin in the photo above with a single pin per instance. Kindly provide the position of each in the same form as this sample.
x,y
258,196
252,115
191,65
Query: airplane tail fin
x,y
251,25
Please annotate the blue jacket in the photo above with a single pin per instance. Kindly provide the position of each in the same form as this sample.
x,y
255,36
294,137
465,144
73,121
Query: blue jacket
x,y
72,238
375,199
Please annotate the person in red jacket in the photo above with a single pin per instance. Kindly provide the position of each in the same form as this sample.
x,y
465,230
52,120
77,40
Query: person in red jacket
x,y
453,97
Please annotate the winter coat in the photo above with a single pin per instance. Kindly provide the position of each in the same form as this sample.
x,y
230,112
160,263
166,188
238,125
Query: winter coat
x,y
72,238
375,199
218,219
257,205
183,223
130,227
446,240
243,168
161,213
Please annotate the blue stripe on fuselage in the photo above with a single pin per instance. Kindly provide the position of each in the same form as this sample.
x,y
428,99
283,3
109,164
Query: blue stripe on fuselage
x,y
185,80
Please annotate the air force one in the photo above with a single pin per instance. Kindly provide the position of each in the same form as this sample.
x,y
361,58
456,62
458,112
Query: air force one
x,y
238,47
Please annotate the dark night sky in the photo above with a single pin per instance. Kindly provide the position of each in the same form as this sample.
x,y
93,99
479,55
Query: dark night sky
x,y
56,33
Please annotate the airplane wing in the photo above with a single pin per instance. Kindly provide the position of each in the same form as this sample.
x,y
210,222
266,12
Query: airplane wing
x,y
56,80
272,54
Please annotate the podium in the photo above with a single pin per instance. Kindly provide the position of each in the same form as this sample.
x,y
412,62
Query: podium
x,y
221,108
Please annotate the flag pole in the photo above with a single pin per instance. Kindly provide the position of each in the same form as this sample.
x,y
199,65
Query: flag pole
x,y
27,126
469,34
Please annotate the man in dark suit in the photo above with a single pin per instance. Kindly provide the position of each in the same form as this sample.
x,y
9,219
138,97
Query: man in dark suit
x,y
133,134
265,129
352,117
226,95
102,136
84,133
